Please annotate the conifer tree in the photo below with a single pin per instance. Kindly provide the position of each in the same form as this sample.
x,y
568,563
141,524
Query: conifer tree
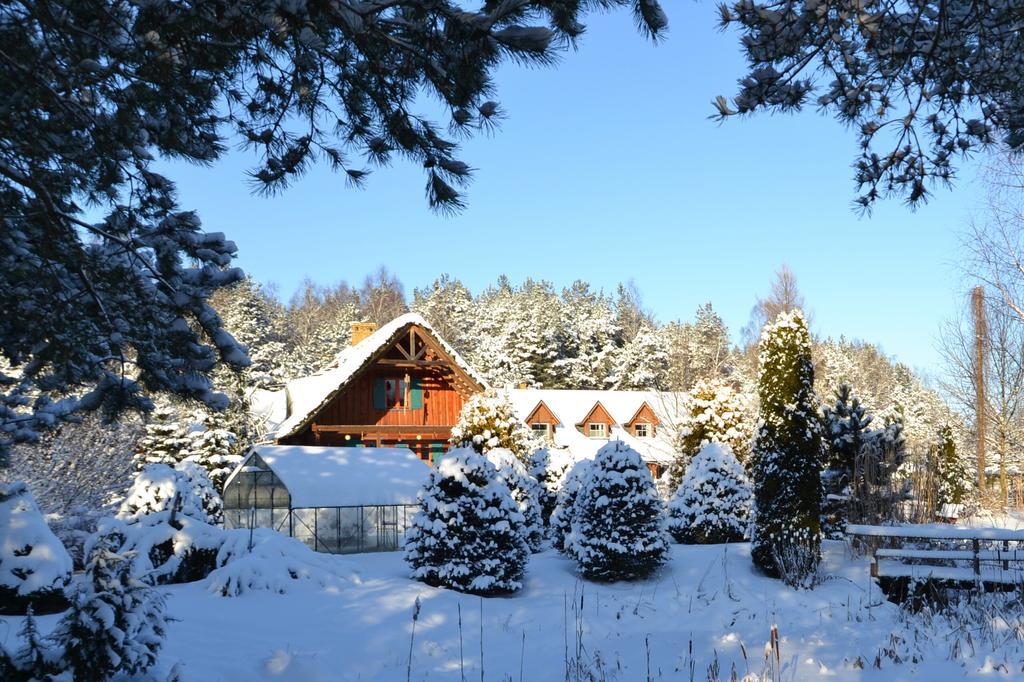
x,y
116,623
468,533
953,479
565,504
526,492
488,421
618,524
787,453
549,467
714,412
642,364
33,660
256,320
165,441
713,502
214,450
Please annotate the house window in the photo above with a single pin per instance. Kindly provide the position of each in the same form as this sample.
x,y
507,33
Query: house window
x,y
597,430
394,394
542,430
642,430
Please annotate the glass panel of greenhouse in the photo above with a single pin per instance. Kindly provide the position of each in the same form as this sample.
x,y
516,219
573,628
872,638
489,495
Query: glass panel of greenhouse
x,y
336,500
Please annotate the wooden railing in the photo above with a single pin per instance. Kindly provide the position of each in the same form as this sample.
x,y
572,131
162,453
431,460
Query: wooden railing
x,y
965,555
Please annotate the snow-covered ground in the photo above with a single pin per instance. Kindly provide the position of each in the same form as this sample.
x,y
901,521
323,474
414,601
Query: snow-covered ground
x,y
707,604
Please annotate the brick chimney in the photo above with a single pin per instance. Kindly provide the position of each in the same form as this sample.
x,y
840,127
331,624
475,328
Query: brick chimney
x,y
360,330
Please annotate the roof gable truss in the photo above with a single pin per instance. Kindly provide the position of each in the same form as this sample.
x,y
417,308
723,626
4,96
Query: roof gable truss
x,y
598,415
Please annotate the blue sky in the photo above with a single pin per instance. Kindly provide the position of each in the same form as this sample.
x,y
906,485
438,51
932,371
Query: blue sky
x,y
608,168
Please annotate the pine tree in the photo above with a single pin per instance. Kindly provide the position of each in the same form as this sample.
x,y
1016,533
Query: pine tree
x,y
586,338
214,450
714,412
116,623
448,306
203,489
468,533
488,421
549,467
846,433
618,526
526,492
256,320
713,502
787,453
642,364
165,441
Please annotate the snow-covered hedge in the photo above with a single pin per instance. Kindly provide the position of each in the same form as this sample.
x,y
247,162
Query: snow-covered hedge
x,y
157,486
34,566
162,552
618,524
468,533
526,491
714,499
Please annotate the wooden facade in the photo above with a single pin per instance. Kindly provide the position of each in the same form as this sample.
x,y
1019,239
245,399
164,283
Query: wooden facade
x,y
408,394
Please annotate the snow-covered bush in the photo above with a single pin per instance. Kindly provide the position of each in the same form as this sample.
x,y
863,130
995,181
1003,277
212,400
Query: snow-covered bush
x,y
549,467
157,487
526,491
618,524
488,421
714,499
73,528
214,450
273,564
34,566
561,517
161,550
116,623
468,533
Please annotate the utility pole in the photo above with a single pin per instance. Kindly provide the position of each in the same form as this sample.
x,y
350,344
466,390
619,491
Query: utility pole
x,y
980,340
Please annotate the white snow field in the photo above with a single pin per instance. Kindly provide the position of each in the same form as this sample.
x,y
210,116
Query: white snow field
x,y
706,604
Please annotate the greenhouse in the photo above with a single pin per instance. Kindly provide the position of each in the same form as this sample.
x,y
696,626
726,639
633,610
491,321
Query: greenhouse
x,y
334,499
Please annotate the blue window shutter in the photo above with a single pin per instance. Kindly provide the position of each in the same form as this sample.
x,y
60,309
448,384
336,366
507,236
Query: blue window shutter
x,y
378,395
417,394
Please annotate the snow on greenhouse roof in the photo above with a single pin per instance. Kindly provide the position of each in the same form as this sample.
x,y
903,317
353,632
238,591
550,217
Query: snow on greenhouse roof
x,y
570,407
339,476
307,395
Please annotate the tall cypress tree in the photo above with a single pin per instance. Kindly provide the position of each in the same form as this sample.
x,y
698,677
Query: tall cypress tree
x,y
954,480
787,452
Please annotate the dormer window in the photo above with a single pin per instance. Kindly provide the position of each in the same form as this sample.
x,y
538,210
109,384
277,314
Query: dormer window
x,y
642,430
597,430
541,430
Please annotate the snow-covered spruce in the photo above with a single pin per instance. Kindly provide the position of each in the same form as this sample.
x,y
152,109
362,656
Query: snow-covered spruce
x,y
116,623
526,492
618,524
549,466
713,502
164,441
468,533
560,523
787,454
488,421
157,487
714,413
34,566
214,450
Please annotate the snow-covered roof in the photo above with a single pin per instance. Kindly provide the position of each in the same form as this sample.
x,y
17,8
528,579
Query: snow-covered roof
x,y
305,396
570,407
338,476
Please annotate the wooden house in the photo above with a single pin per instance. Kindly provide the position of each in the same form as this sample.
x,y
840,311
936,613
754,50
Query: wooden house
x,y
397,386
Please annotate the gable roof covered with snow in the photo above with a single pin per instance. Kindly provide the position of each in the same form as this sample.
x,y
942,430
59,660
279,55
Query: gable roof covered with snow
x,y
571,408
340,476
306,396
